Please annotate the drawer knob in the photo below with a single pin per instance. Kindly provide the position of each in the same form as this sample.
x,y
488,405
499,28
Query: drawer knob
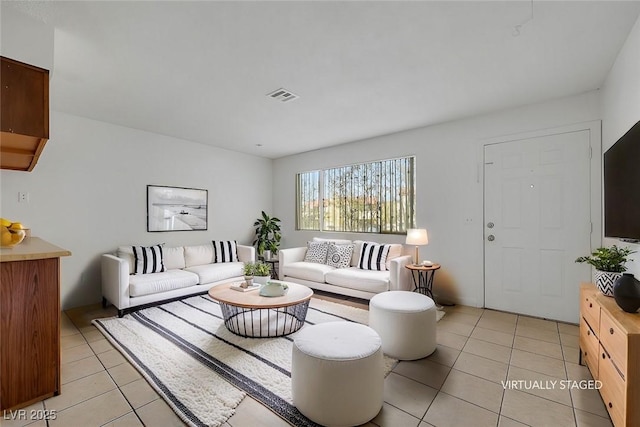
x,y
588,333
610,405
590,305
603,356
611,331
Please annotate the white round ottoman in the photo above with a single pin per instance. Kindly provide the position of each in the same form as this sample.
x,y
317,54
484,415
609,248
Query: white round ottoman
x,y
337,374
406,322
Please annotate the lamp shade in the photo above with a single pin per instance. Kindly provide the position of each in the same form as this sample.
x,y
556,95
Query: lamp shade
x,y
417,236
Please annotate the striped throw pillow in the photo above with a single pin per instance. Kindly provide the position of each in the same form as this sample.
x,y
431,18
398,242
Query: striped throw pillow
x,y
148,259
373,256
225,251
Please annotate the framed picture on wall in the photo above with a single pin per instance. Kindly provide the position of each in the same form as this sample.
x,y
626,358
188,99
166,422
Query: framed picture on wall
x,y
176,208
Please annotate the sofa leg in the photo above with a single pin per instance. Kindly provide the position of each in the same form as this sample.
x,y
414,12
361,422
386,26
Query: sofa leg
x,y
104,302
120,313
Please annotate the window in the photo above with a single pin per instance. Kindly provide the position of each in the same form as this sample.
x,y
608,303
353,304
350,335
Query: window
x,y
376,197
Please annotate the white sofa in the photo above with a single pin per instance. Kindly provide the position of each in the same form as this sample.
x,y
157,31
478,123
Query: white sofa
x,y
189,270
350,281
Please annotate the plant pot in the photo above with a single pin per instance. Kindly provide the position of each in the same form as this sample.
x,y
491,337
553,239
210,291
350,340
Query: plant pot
x,y
261,279
266,255
248,280
604,281
626,291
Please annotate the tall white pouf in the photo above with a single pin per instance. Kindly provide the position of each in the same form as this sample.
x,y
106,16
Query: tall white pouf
x,y
337,373
406,322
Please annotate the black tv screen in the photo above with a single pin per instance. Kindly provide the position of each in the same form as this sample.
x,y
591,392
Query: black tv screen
x,y
622,187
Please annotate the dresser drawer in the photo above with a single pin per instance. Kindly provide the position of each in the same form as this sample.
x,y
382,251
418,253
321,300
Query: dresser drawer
x,y
590,348
612,390
614,341
590,309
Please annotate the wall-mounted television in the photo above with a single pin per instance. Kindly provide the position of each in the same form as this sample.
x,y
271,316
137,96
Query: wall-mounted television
x,y
622,187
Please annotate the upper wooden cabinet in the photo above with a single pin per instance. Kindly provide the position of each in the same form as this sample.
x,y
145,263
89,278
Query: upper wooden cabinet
x,y
24,119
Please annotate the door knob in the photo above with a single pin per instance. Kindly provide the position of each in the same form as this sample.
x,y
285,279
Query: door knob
x,y
490,225
491,238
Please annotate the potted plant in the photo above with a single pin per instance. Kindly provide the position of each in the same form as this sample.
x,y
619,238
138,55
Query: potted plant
x,y
267,234
261,272
248,271
609,264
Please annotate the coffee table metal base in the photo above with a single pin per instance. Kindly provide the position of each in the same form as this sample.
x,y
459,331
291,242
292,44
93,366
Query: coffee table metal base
x,y
264,322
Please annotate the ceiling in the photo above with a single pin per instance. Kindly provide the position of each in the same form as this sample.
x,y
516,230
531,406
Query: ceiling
x,y
200,71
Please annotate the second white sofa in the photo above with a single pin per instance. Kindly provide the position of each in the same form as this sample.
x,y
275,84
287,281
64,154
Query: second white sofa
x,y
188,270
348,280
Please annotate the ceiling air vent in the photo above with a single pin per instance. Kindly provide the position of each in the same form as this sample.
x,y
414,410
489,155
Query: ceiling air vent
x,y
282,95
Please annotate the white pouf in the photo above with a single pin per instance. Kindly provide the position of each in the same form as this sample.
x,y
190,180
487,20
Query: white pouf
x,y
406,322
337,373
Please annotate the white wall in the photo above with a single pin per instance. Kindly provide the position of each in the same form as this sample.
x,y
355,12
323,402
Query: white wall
x,y
449,185
621,110
88,194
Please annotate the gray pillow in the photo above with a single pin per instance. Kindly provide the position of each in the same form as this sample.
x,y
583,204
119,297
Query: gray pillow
x,y
339,256
316,252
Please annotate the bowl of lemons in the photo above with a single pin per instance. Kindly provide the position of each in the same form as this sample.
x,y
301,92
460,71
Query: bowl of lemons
x,y
11,233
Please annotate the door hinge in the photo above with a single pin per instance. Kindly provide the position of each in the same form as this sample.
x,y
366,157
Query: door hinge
x,y
591,152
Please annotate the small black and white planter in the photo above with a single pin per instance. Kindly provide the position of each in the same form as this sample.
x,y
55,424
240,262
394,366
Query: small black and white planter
x,y
604,281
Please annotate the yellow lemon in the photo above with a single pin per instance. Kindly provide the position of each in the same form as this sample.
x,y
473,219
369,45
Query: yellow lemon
x,y
5,222
16,226
6,238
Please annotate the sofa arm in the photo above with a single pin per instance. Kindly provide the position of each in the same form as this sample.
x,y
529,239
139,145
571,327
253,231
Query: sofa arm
x,y
289,255
400,276
115,280
246,253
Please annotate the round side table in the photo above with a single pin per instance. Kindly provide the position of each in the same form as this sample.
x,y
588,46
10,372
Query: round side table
x,y
424,283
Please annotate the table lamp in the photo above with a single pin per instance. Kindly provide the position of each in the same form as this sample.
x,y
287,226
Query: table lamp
x,y
417,237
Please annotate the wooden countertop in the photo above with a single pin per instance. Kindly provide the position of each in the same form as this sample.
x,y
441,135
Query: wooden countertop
x,y
32,248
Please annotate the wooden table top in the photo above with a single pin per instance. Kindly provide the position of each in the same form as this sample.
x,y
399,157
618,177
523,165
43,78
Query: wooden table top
x,y
435,266
252,299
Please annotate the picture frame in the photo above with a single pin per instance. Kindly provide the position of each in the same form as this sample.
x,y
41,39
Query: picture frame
x,y
176,208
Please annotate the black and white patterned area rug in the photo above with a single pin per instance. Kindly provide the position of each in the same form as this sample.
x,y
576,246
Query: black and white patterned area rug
x,y
202,370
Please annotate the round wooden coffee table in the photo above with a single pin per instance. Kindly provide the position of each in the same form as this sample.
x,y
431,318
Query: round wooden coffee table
x,y
249,314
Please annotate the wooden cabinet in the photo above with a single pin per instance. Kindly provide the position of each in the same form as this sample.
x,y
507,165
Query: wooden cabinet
x,y
29,323
24,116
610,347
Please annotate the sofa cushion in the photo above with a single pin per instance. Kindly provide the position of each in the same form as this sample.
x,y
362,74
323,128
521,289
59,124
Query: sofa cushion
x,y
307,270
395,250
126,253
148,259
225,251
174,258
355,278
373,256
198,255
215,272
339,256
145,284
336,241
316,252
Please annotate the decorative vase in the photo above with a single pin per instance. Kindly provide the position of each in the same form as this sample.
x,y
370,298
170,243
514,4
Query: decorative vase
x,y
248,281
604,281
626,291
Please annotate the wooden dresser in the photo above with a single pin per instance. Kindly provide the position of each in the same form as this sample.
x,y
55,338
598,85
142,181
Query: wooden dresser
x,y
610,347
29,323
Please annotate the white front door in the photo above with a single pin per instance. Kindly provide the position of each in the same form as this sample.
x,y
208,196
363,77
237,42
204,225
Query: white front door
x,y
537,221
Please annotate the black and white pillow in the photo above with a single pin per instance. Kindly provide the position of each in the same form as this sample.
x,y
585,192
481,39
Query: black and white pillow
x,y
148,259
339,256
225,251
373,256
316,252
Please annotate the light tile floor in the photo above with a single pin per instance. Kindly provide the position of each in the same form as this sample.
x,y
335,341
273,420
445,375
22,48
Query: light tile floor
x,y
461,384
